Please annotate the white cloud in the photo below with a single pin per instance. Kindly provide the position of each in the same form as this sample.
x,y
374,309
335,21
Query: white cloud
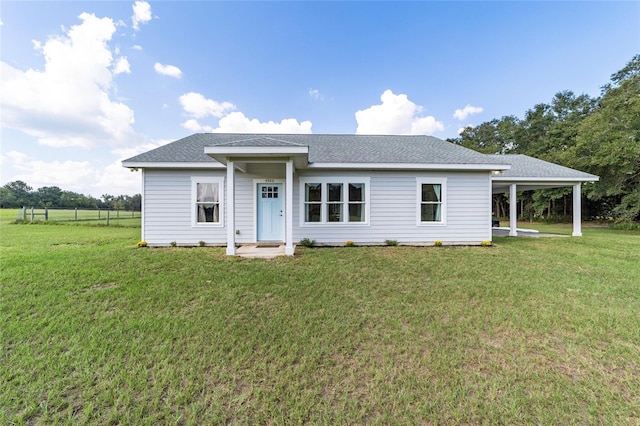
x,y
68,175
315,94
130,151
116,180
193,125
170,70
136,47
237,122
397,115
141,14
122,66
81,176
198,106
68,102
462,114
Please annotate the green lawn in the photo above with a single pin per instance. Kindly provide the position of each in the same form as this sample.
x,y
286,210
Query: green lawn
x,y
531,330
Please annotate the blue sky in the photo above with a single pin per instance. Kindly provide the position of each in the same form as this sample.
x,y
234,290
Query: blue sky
x,y
86,84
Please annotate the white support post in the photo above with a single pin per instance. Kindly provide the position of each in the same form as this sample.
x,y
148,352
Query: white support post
x,y
513,211
577,211
288,247
231,210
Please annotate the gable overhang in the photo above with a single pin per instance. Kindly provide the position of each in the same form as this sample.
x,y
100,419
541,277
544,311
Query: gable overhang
x,y
298,154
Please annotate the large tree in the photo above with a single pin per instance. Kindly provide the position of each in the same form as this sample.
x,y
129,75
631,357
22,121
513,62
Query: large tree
x,y
16,194
492,137
608,142
19,194
599,136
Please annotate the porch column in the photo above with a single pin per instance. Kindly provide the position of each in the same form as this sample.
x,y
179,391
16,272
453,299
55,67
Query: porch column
x,y
288,239
577,211
231,210
513,211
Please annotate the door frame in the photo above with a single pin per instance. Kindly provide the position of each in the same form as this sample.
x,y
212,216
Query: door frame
x,y
267,181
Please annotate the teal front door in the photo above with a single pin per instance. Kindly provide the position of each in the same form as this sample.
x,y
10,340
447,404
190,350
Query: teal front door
x,y
270,214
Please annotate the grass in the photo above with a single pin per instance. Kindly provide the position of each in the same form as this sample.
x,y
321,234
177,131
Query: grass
x,y
531,330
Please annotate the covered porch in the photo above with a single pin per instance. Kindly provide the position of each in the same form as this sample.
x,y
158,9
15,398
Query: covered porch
x,y
528,173
272,195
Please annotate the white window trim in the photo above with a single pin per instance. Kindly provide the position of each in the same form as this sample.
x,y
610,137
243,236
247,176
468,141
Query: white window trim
x,y
345,181
194,196
443,195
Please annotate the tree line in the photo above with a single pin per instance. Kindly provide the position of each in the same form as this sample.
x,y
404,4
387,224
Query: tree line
x,y
596,135
18,194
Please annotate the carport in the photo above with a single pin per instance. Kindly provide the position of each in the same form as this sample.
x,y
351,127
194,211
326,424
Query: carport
x,y
528,173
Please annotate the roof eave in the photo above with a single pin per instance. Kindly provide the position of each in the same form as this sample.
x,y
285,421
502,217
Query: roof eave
x,y
410,166
172,165
590,178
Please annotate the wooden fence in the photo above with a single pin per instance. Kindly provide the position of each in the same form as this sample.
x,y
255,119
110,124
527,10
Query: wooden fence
x,y
75,215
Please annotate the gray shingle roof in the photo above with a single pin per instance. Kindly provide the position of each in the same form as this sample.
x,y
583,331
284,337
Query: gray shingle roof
x,y
523,166
324,149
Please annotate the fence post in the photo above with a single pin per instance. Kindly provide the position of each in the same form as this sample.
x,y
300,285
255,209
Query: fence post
x,y
98,213
108,211
75,214
24,213
46,214
118,214
133,213
32,214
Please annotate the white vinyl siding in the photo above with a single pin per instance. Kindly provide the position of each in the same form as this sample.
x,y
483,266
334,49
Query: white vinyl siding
x,y
392,207
390,202
169,208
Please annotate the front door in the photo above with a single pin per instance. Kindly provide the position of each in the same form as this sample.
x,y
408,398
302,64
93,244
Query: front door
x,y
270,214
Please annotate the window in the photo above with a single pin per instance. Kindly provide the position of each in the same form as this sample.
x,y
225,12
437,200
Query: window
x,y
312,202
431,201
269,192
356,202
335,200
207,200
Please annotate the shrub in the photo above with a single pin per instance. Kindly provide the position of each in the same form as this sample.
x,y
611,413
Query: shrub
x,y
349,243
625,226
437,243
173,244
486,243
202,243
306,242
142,244
391,242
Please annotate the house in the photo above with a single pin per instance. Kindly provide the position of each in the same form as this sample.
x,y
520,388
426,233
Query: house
x,y
234,189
